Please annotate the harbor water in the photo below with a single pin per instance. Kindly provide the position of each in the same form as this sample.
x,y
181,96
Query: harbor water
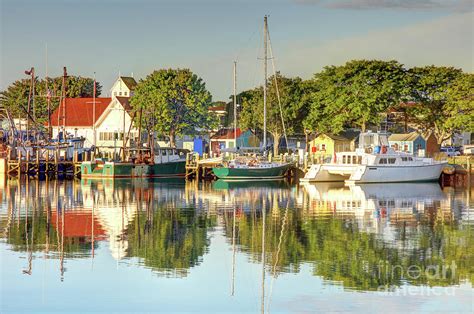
x,y
176,246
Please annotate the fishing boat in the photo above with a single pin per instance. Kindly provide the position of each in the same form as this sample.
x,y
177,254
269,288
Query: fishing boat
x,y
252,168
165,163
374,161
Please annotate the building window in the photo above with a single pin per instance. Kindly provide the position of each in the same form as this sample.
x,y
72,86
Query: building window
x,y
383,161
405,148
115,93
391,160
125,93
323,146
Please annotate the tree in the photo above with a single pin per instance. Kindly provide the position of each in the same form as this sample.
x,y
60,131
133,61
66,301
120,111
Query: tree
x,y
173,102
354,94
445,100
15,97
293,107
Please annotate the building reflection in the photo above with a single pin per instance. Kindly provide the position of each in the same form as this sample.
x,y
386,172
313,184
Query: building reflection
x,y
344,232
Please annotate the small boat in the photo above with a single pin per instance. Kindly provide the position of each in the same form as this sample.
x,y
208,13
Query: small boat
x,y
243,168
166,163
375,162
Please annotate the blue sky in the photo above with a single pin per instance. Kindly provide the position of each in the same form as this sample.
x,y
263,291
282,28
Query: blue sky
x,y
117,36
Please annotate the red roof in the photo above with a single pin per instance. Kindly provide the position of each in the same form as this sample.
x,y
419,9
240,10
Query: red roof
x,y
79,111
78,224
226,134
217,108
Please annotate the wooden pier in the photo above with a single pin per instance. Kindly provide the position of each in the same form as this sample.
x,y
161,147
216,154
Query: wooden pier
x,y
40,164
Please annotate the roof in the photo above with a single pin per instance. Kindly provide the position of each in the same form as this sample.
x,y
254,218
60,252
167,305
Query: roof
x,y
217,108
129,82
409,137
79,223
124,101
79,111
347,135
226,134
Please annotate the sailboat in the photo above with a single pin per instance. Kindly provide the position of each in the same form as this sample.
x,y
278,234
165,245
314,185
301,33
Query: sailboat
x,y
252,168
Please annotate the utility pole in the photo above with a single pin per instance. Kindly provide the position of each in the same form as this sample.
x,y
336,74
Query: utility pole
x,y
235,104
265,32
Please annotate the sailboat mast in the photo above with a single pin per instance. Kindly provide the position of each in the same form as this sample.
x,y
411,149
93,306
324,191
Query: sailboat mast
x,y
93,115
235,104
48,98
265,32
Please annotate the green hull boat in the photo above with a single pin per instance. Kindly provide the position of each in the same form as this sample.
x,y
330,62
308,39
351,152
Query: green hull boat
x,y
130,170
252,173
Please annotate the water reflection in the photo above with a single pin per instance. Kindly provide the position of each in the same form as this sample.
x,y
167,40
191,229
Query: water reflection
x,y
359,237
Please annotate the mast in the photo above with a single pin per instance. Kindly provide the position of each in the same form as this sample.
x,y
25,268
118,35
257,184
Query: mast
x,y
93,114
265,32
63,94
48,98
235,104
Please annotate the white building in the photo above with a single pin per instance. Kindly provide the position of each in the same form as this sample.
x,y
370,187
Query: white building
x,y
75,117
112,119
123,87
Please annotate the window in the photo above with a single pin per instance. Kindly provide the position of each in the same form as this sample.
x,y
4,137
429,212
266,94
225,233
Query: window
x,y
404,159
115,93
323,146
405,148
354,159
343,159
383,161
391,160
120,93
125,93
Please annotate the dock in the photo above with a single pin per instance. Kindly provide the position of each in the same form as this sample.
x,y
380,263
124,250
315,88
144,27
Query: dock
x,y
42,163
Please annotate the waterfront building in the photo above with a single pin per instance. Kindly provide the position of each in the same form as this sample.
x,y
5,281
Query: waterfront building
x,y
124,86
113,124
412,143
224,139
75,117
328,144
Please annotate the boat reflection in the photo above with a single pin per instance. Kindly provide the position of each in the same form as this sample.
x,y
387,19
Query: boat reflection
x,y
349,236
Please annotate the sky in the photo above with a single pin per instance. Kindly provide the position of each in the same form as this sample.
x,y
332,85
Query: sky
x,y
119,37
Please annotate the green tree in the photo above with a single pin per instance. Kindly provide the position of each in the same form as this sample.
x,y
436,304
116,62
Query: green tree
x,y
169,240
354,94
173,102
445,101
15,97
291,94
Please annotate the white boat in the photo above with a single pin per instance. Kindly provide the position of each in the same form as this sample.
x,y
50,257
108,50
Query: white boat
x,y
375,162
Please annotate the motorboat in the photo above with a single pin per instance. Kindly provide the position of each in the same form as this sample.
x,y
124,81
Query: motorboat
x,y
374,161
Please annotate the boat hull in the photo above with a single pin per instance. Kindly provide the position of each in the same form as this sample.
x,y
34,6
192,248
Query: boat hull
x,y
374,174
235,174
378,174
130,170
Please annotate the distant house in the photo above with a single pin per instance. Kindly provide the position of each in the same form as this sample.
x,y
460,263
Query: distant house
x,y
219,110
75,117
328,144
412,143
124,86
224,139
